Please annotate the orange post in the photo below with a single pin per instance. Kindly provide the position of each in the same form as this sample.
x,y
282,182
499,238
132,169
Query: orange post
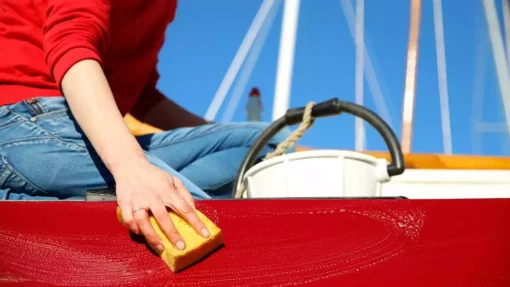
x,y
410,83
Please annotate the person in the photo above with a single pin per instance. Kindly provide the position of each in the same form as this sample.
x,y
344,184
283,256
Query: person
x,y
69,72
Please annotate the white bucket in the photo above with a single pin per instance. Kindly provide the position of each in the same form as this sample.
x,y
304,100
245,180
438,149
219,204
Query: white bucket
x,y
320,173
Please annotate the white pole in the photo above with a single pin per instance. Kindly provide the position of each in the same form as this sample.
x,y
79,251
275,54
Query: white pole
x,y
238,60
499,57
506,21
285,58
373,83
248,67
359,125
441,73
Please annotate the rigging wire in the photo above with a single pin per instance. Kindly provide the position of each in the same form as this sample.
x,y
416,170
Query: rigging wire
x,y
238,60
478,87
249,65
498,52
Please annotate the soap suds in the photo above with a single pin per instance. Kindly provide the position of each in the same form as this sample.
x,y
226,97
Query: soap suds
x,y
285,247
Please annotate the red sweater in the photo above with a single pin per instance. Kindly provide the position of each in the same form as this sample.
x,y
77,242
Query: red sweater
x,y
41,39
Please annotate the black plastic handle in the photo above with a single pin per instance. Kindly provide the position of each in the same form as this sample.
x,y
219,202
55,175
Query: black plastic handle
x,y
325,109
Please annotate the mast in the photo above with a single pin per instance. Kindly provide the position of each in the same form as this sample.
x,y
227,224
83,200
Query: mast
x,y
441,74
286,58
410,82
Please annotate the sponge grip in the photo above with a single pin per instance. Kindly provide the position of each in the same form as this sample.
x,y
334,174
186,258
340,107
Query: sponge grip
x,y
197,247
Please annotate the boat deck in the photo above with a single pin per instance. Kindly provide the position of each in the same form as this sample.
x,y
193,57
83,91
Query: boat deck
x,y
341,242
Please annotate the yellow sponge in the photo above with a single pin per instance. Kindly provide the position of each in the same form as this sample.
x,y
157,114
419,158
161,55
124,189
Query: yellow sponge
x,y
197,247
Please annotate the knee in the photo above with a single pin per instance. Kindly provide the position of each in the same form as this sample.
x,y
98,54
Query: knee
x,y
258,127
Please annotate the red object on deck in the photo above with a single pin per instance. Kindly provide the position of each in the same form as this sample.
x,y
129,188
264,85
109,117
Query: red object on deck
x,y
255,92
268,242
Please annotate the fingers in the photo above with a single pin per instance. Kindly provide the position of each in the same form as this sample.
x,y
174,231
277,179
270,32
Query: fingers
x,y
167,226
184,204
187,212
184,192
142,219
127,217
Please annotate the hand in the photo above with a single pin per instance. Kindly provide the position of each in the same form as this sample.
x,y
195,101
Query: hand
x,y
143,187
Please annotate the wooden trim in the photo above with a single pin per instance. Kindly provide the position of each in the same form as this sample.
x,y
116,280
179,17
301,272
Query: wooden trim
x,y
437,161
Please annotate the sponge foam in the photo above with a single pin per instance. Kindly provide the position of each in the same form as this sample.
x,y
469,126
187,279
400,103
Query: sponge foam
x,y
197,247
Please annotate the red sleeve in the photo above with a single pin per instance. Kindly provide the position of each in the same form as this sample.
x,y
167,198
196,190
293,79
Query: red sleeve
x,y
75,30
149,97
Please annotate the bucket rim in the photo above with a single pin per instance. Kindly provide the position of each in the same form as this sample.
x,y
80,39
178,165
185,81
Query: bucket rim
x,y
313,153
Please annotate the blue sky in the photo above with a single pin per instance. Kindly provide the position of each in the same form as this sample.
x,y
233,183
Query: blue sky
x,y
205,36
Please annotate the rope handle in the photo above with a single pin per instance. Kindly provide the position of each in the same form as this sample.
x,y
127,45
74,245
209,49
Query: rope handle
x,y
296,135
291,140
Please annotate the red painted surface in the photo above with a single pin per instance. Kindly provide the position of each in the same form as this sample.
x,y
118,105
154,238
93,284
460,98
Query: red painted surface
x,y
268,242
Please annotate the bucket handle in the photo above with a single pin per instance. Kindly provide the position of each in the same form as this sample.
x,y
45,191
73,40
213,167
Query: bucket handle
x,y
328,108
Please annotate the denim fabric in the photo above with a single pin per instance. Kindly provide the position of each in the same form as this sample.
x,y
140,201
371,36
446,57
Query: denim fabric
x,y
44,155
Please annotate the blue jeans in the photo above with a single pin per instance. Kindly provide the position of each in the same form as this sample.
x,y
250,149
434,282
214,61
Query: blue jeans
x,y
44,155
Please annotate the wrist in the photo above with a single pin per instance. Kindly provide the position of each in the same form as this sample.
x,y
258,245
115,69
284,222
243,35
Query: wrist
x,y
117,157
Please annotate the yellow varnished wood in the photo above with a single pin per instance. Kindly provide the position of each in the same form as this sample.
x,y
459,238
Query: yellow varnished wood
x,y
437,161
139,128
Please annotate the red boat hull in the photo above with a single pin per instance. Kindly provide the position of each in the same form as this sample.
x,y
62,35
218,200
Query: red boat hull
x,y
268,242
